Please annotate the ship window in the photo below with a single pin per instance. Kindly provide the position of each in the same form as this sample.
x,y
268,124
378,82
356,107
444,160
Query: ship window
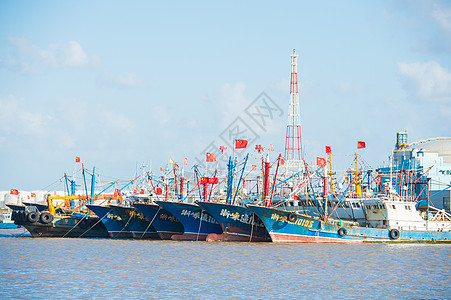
x,y
446,203
357,205
393,206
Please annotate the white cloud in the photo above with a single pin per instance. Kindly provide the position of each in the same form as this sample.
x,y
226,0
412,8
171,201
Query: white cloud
x,y
426,81
128,80
14,118
29,58
442,15
60,128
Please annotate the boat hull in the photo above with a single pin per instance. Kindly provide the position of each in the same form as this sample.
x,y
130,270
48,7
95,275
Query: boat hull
x,y
124,222
197,223
286,227
62,226
238,223
165,224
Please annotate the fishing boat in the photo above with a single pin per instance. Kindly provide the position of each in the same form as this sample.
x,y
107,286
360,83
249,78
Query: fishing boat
x,y
65,224
197,223
388,219
165,224
124,222
238,223
6,222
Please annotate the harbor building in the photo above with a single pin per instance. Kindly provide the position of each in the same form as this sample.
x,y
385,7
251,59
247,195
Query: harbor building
x,y
429,161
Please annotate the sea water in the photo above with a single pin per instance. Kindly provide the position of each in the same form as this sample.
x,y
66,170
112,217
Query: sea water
x,y
77,268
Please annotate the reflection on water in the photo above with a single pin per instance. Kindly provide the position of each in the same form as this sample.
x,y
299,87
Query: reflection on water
x,y
102,268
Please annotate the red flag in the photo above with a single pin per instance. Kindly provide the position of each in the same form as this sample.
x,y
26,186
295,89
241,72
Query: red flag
x,y
254,168
271,148
239,144
361,145
282,161
159,191
211,157
77,159
141,191
14,192
204,180
321,162
259,148
213,180
185,161
222,148
162,170
328,149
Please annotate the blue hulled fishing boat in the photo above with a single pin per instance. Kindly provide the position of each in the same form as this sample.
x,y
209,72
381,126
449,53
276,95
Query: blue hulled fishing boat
x,y
387,220
197,223
238,223
124,222
165,224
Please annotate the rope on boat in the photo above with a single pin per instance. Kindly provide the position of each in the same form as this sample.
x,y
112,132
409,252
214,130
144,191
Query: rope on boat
x,y
76,224
252,228
131,215
100,219
200,224
150,222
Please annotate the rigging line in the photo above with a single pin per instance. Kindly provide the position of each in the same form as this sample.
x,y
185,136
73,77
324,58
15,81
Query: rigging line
x,y
100,219
252,228
74,226
159,207
131,215
200,224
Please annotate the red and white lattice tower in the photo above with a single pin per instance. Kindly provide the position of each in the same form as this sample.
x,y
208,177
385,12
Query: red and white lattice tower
x,y
293,142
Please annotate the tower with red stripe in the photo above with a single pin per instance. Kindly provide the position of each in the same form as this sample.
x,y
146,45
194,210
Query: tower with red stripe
x,y
293,141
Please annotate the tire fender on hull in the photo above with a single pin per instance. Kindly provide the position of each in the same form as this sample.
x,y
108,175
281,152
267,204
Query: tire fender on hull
x,y
394,234
342,232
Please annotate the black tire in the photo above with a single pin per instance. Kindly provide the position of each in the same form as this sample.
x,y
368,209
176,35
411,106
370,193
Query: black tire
x,y
46,217
342,232
33,217
292,218
394,234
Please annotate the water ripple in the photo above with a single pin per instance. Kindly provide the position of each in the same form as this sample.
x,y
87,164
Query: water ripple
x,y
103,268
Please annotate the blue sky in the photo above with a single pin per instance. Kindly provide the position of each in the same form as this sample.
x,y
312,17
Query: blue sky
x,y
124,82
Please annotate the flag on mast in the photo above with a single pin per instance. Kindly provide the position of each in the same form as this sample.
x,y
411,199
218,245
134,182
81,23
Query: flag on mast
x,y
321,162
361,145
211,157
240,144
77,159
171,161
328,149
